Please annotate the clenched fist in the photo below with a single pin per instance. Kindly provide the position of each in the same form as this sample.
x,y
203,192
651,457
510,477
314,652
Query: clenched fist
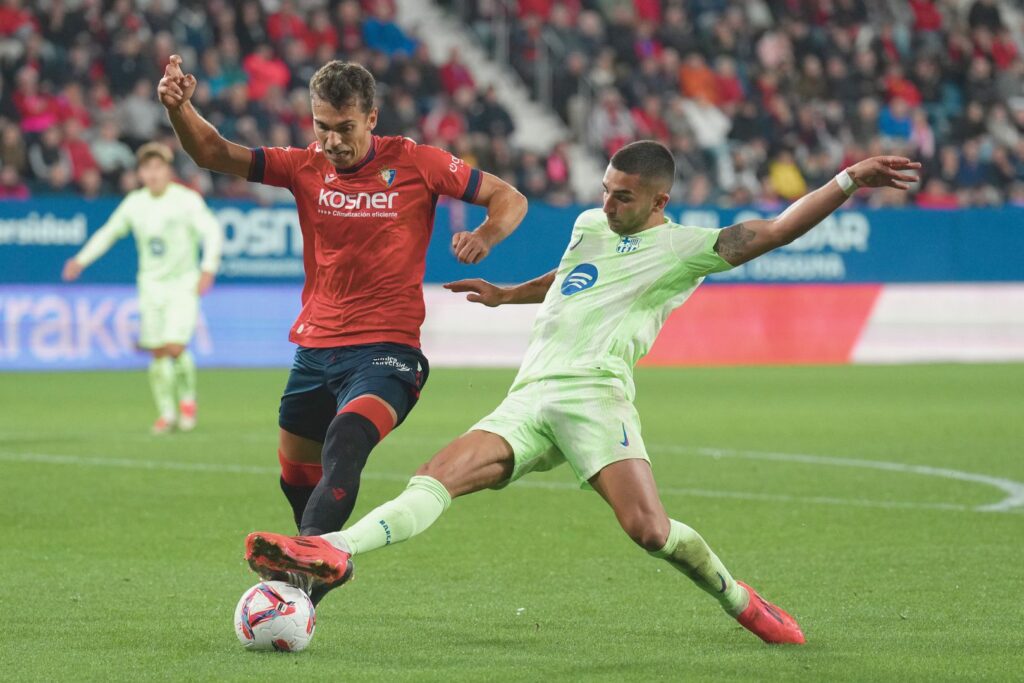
x,y
470,247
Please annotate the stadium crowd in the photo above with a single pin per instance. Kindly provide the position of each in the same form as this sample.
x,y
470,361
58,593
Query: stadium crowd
x,y
762,99
78,89
759,100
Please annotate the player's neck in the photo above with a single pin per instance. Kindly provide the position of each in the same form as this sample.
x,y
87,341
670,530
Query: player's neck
x,y
158,192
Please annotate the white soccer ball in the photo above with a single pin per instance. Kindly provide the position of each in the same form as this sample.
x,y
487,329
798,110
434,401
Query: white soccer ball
x,y
274,615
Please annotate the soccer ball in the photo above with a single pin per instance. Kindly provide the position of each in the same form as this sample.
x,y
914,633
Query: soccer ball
x,y
273,615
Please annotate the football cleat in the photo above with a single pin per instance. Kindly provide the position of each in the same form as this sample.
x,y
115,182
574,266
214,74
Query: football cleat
x,y
268,552
187,416
162,426
769,622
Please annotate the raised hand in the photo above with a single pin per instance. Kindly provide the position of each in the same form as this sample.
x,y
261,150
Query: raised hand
x,y
176,87
470,247
884,172
480,291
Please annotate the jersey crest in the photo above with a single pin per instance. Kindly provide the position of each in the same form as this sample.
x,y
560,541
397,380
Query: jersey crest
x,y
387,176
628,244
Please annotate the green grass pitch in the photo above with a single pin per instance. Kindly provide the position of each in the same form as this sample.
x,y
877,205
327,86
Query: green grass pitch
x,y
842,493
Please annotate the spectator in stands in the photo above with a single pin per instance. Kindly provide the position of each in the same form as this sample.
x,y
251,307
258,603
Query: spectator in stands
x,y
285,25
785,177
611,125
12,149
49,162
380,32
11,185
83,164
487,115
37,109
454,74
126,65
264,70
140,114
113,157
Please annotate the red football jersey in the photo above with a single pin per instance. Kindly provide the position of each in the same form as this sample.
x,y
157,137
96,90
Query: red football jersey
x,y
365,231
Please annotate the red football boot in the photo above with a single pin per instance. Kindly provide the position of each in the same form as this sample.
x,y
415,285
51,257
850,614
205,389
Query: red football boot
x,y
769,622
268,553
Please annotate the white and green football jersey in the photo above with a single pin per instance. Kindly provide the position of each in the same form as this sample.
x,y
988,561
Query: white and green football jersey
x,y
167,230
611,297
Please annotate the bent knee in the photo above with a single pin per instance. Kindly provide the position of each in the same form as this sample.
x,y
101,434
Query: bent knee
x,y
650,532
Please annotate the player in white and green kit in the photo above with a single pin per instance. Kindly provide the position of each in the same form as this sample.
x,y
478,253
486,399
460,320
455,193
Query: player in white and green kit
x,y
168,221
625,269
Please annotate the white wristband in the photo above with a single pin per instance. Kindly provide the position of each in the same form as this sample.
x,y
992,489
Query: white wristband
x,y
846,183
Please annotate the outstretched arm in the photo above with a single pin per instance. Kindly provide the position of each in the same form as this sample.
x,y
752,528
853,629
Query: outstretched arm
x,y
483,292
506,207
198,137
116,227
745,241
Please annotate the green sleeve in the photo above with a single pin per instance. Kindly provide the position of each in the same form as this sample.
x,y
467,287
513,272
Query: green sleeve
x,y
695,249
116,227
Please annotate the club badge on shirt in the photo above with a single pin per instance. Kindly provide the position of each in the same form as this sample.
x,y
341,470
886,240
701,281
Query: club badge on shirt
x,y
627,245
387,176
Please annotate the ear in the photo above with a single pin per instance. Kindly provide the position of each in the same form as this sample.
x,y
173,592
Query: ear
x,y
661,201
372,118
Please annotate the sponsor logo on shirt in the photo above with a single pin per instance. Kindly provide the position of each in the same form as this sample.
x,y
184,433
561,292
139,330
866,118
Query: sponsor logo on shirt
x,y
391,362
582,277
359,200
627,245
387,176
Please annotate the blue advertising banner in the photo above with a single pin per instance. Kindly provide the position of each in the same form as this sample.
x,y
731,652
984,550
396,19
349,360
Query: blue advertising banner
x,y
70,327
264,244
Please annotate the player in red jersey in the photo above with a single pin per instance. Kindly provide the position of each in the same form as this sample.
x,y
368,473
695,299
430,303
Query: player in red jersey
x,y
366,209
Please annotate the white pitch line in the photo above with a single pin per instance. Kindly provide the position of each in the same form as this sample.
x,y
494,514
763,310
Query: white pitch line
x,y
227,468
1014,489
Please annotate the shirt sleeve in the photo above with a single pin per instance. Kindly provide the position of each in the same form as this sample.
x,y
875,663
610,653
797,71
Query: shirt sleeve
x,y
116,227
275,165
695,249
447,174
209,230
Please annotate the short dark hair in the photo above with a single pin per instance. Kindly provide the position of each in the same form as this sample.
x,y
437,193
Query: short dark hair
x,y
648,159
343,84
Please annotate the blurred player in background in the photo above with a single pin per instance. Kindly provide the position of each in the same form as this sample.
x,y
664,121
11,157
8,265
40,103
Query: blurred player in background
x,y
625,269
168,221
366,208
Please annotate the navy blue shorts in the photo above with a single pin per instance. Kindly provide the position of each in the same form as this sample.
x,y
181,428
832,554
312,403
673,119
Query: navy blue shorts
x,y
322,381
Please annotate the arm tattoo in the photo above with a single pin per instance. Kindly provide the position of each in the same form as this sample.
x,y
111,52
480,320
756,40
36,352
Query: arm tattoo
x,y
732,243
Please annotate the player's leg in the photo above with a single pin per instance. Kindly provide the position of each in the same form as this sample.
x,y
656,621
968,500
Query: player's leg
x,y
499,449
299,458
376,388
161,383
306,411
475,461
628,487
179,326
599,430
161,367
